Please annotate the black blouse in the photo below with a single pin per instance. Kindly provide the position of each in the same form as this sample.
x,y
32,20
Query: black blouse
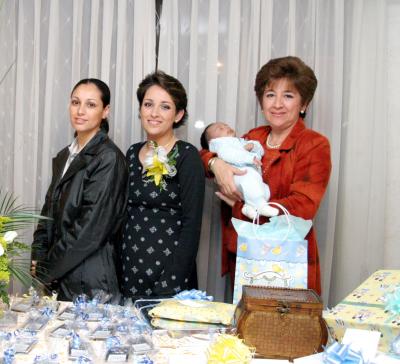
x,y
161,236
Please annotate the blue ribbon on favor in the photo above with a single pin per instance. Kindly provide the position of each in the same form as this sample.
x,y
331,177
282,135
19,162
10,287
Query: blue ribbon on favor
x,y
80,302
193,294
5,335
45,358
129,315
395,346
342,354
122,328
113,342
145,360
393,302
25,332
83,315
83,360
47,311
76,341
8,356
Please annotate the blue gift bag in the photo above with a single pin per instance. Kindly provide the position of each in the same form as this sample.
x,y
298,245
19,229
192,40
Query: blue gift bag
x,y
272,254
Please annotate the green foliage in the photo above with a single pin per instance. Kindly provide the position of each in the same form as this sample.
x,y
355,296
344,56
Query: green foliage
x,y
13,217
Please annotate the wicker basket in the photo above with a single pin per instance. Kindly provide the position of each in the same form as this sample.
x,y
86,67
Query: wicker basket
x,y
281,323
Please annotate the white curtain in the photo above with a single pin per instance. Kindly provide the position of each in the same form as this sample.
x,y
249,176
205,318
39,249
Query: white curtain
x,y
215,47
46,47
367,228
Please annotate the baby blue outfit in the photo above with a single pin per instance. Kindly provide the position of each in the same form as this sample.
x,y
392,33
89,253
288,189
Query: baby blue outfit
x,y
255,192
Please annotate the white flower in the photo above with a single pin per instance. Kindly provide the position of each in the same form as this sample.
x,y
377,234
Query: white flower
x,y
9,236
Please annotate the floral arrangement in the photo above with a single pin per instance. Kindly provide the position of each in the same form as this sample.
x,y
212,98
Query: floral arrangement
x,y
159,164
13,217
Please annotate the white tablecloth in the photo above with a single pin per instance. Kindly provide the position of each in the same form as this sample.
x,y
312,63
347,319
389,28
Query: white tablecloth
x,y
186,350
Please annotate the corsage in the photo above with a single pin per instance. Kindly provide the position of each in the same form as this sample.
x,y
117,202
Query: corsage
x,y
158,165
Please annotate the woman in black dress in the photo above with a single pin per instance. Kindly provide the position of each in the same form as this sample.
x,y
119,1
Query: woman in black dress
x,y
166,191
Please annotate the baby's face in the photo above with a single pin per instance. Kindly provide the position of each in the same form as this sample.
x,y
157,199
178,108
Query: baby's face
x,y
218,130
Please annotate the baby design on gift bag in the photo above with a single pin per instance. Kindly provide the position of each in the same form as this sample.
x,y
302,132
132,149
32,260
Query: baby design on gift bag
x,y
272,254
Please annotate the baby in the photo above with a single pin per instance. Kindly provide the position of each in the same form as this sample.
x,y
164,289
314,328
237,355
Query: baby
x,y
246,155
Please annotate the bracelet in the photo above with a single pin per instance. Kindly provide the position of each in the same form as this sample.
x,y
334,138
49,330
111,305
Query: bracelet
x,y
211,163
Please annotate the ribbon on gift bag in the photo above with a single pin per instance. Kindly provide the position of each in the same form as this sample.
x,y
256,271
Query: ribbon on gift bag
x,y
271,254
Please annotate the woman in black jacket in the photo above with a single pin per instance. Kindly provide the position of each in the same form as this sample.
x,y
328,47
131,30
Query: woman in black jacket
x,y
74,252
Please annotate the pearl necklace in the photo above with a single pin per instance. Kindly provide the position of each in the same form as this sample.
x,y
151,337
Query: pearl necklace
x,y
271,146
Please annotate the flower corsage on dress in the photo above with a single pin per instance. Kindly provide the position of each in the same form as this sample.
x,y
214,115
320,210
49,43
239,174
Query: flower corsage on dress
x,y
159,165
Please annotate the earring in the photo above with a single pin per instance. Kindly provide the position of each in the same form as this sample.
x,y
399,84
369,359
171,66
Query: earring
x,y
302,114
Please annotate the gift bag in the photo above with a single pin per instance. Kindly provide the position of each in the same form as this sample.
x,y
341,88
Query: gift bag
x,y
273,254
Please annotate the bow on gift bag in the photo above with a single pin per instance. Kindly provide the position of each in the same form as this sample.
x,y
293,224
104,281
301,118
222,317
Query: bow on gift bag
x,y
272,254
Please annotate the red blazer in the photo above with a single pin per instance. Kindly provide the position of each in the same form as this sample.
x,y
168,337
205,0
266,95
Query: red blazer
x,y
297,174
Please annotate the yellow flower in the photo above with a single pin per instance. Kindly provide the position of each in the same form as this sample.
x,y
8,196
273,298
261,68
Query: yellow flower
x,y
157,170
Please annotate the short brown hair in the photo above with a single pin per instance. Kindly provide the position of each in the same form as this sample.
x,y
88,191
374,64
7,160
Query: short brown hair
x,y
292,68
169,84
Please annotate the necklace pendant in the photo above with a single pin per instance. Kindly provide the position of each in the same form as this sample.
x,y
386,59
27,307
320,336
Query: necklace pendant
x,y
152,144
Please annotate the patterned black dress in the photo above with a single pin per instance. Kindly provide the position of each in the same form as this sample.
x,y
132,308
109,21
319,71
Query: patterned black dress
x,y
161,236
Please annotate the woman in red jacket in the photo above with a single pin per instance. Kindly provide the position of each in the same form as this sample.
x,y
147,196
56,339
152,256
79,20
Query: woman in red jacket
x,y
296,163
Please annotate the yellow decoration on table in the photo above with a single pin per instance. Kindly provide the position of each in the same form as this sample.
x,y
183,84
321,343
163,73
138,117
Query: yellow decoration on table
x,y
228,349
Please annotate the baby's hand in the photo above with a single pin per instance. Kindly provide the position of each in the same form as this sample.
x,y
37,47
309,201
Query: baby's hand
x,y
249,147
257,162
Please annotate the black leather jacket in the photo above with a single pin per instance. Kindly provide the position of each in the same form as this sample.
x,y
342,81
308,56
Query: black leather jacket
x,y
76,249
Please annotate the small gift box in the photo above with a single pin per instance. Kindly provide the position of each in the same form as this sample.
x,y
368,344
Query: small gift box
x,y
368,308
77,347
24,345
22,305
102,332
117,354
141,344
61,331
68,314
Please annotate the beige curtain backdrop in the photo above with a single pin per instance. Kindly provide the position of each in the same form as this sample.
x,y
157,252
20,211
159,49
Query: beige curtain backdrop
x,y
215,47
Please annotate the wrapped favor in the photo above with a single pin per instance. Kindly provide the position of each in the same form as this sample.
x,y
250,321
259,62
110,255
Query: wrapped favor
x,y
77,347
374,305
115,350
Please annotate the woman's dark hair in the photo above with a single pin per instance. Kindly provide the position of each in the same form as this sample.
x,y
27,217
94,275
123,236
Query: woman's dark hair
x,y
292,68
105,96
169,84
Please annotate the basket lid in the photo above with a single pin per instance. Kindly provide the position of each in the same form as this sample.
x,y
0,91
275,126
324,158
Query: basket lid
x,y
266,293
